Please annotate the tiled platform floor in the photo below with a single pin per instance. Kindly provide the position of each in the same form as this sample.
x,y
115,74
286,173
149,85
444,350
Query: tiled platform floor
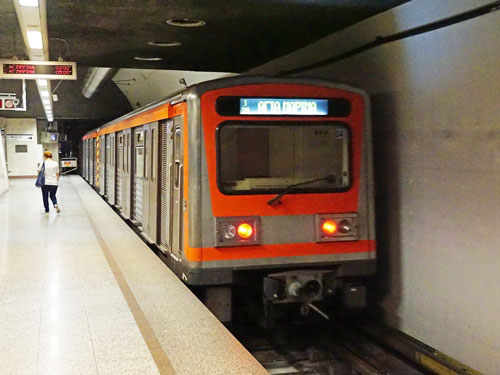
x,y
80,293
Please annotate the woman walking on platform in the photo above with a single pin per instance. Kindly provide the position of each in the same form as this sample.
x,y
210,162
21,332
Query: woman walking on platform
x,y
51,181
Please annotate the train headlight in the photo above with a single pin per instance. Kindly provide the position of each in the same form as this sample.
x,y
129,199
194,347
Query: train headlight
x,y
337,227
229,231
345,226
237,231
329,227
245,230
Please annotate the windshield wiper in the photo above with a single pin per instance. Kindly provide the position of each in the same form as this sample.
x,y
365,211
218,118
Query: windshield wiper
x,y
277,199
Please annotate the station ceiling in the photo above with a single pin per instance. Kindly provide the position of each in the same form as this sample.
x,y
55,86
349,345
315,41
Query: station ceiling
x,y
237,35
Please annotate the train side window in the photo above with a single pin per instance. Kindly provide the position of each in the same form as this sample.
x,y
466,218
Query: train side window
x,y
125,154
139,155
154,154
177,156
120,159
146,151
127,150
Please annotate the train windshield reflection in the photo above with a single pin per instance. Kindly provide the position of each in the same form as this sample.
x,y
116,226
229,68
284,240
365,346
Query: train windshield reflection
x,y
263,158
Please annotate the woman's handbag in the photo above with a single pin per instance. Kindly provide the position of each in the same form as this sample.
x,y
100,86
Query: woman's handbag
x,y
40,180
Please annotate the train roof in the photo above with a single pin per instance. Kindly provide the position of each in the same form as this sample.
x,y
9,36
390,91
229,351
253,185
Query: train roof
x,y
198,89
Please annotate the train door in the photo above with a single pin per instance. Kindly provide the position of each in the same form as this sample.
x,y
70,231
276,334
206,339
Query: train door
x,y
92,161
96,162
127,175
149,186
84,160
107,172
137,173
110,168
165,191
145,181
119,170
89,153
88,160
153,183
176,188
101,157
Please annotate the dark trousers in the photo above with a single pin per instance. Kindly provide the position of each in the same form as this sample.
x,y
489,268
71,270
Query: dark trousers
x,y
46,190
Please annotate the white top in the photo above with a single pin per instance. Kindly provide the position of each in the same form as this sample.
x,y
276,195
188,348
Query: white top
x,y
51,172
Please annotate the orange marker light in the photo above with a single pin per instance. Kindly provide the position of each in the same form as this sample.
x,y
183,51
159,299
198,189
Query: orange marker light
x,y
245,230
329,227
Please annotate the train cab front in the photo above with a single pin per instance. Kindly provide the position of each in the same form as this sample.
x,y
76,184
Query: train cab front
x,y
288,188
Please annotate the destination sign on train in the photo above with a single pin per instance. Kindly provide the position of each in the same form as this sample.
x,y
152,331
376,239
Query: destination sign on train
x,y
283,106
17,69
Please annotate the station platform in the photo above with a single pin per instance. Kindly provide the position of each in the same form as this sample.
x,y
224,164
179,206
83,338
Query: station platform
x,y
80,293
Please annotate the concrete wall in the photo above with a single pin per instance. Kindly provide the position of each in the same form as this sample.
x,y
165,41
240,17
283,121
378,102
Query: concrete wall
x,y
4,182
436,113
17,132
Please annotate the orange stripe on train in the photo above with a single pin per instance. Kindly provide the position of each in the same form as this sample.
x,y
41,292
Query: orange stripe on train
x,y
197,254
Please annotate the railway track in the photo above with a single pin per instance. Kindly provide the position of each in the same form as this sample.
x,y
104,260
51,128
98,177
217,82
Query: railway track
x,y
342,348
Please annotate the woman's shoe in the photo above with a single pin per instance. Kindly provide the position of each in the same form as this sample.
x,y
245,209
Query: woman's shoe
x,y
57,208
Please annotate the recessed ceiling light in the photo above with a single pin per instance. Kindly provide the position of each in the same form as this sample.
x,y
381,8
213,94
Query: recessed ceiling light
x,y
42,82
185,22
140,58
35,39
164,44
28,3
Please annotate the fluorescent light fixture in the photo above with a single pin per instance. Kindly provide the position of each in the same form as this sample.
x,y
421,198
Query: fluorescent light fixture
x,y
35,39
42,82
46,101
28,3
44,93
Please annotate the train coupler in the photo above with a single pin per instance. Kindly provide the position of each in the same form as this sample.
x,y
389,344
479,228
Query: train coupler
x,y
299,286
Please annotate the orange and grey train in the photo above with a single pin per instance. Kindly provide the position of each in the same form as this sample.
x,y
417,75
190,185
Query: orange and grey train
x,y
268,176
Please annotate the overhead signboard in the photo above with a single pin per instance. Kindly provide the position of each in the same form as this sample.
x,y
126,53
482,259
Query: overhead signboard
x,y
17,69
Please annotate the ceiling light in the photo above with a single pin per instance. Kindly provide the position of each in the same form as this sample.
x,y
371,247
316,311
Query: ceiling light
x,y
46,101
139,58
28,3
44,93
42,82
185,22
35,39
164,44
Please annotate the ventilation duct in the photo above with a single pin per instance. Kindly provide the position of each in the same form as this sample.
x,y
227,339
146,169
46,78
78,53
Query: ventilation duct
x,y
94,78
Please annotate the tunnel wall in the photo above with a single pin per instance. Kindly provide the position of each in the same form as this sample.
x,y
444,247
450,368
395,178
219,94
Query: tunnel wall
x,y
435,107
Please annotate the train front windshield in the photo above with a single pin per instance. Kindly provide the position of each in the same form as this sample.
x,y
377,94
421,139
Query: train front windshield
x,y
265,158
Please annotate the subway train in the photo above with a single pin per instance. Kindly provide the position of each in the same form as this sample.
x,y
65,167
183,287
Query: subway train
x,y
261,176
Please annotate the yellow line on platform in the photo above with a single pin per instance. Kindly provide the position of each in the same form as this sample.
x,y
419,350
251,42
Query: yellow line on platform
x,y
159,356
